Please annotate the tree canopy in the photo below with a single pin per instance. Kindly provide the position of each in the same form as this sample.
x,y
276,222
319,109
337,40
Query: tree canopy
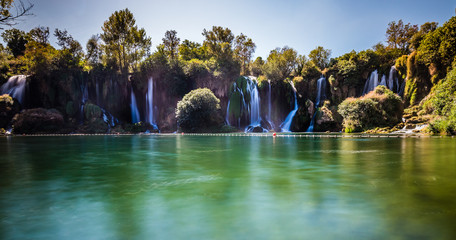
x,y
125,43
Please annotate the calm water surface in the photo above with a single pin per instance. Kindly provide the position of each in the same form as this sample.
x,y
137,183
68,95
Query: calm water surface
x,y
222,187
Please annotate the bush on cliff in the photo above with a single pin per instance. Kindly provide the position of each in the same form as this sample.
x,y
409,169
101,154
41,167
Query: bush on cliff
x,y
379,108
198,111
8,107
442,103
38,120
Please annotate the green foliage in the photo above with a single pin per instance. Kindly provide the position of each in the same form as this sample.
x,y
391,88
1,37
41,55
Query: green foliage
x,y
418,80
15,40
189,50
280,64
439,47
351,67
40,34
71,54
257,66
320,57
244,48
379,108
442,102
7,110
92,111
219,43
171,44
125,44
401,66
426,28
198,110
399,34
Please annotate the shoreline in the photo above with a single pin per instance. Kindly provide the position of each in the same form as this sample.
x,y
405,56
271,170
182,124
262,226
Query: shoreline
x,y
284,135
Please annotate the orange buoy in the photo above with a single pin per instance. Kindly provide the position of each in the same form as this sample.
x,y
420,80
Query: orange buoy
x,y
182,133
274,135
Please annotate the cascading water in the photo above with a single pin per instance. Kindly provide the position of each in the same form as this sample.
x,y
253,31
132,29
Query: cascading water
x,y
15,87
383,81
84,98
321,96
402,89
227,117
270,105
150,103
134,109
371,82
254,105
285,126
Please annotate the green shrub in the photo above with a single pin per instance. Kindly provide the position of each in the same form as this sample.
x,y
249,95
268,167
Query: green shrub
x,y
7,110
379,108
199,110
442,102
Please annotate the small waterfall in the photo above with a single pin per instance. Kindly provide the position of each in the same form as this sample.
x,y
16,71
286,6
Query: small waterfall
x,y
393,80
371,82
134,109
15,87
270,105
150,118
254,105
227,117
109,119
285,126
321,96
84,98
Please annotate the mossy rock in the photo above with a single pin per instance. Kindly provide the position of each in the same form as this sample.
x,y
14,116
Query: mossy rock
x,y
92,111
38,120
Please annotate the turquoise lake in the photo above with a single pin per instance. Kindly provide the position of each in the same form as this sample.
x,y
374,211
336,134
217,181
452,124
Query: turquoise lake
x,y
227,187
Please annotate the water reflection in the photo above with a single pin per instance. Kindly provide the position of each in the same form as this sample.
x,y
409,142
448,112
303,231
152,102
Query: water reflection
x,y
180,187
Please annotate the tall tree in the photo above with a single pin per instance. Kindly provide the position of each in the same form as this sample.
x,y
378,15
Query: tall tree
x,y
11,11
219,42
244,48
280,63
15,40
40,34
71,53
125,43
191,50
320,57
171,44
94,51
398,35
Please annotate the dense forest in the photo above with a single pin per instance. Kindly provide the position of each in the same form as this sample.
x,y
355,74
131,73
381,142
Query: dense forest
x,y
117,84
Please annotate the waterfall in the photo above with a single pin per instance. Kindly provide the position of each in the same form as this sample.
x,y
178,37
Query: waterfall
x,y
285,126
254,104
371,82
269,105
150,103
84,98
227,117
321,96
382,82
393,80
15,87
134,109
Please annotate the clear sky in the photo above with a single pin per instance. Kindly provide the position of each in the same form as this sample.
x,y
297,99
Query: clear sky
x,y
339,25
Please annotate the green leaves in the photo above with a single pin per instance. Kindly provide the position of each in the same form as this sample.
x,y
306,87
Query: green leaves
x,y
125,44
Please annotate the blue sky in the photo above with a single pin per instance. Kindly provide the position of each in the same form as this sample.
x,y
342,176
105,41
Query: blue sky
x,y
339,25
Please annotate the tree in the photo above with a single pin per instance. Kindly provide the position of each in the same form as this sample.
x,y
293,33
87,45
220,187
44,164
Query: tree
x,y
244,48
15,40
199,110
125,44
219,43
426,28
40,34
171,44
71,53
11,11
280,63
398,35
257,66
94,51
320,57
189,50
